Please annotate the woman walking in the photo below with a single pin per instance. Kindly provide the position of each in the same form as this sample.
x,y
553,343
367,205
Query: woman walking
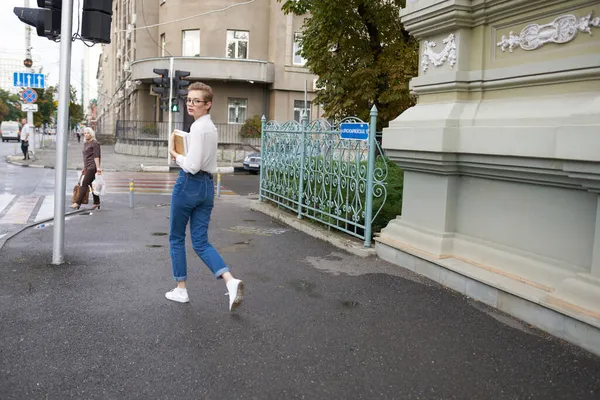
x,y
193,199
91,167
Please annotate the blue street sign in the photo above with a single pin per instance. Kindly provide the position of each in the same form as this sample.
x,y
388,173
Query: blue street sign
x,y
354,131
25,79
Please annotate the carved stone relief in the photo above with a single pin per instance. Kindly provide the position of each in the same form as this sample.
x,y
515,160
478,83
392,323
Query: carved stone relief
x,y
562,30
438,59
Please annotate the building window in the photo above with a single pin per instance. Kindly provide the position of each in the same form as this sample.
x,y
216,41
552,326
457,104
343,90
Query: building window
x,y
237,110
237,44
299,109
163,44
191,43
298,60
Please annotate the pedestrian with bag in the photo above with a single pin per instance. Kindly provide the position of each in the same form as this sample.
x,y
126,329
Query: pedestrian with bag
x,y
25,136
91,167
193,199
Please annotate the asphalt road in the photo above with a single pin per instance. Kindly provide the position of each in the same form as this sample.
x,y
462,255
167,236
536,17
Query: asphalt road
x,y
317,323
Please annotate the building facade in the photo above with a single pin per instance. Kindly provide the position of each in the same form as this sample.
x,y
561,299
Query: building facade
x,y
246,52
501,155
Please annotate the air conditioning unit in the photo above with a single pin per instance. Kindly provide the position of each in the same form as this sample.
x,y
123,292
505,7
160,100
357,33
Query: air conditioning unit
x,y
127,66
129,32
119,53
133,19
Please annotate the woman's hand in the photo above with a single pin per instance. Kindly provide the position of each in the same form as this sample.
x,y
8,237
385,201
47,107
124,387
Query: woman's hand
x,y
99,171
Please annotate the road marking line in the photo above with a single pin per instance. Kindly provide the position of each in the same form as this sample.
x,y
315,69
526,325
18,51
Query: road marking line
x,y
20,212
46,210
5,200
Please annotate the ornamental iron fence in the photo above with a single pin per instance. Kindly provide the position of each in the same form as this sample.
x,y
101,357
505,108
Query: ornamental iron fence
x,y
311,169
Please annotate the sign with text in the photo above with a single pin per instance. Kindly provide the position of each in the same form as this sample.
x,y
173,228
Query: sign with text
x,y
354,130
29,107
25,79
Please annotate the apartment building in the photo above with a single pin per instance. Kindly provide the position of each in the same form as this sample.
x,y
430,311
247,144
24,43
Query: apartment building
x,y
245,50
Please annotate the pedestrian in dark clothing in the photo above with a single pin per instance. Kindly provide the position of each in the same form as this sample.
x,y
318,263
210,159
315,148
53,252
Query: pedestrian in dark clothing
x,y
91,166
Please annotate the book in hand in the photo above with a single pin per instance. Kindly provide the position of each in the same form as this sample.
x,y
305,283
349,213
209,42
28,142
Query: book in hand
x,y
180,142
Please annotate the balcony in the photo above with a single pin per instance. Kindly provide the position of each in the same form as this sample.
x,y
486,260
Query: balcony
x,y
208,68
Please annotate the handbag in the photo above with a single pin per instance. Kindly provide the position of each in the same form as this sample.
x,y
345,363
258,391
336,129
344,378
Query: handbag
x,y
77,189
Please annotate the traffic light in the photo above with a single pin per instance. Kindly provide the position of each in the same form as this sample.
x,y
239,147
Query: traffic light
x,y
179,84
175,105
96,19
45,19
162,84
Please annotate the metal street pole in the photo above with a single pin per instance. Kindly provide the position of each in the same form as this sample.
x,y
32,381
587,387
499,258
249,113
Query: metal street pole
x,y
62,133
28,56
170,109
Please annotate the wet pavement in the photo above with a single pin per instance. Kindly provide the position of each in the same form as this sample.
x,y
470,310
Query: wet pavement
x,y
317,323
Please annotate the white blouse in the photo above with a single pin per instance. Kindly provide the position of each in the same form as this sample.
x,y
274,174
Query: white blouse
x,y
202,147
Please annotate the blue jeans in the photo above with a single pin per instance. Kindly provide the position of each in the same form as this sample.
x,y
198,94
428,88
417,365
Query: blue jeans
x,y
193,200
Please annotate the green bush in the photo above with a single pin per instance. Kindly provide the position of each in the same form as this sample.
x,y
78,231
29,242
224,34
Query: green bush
x,y
150,129
252,128
393,204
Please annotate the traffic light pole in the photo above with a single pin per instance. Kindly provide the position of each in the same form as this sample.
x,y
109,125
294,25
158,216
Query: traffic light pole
x,y
171,61
62,133
28,56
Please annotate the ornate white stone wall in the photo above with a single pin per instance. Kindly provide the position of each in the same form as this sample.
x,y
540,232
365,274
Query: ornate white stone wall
x,y
502,152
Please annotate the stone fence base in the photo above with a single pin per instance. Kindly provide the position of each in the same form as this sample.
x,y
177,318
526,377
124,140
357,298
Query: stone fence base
x,y
158,149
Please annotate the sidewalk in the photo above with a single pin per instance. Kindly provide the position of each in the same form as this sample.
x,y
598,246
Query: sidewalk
x,y
317,323
111,161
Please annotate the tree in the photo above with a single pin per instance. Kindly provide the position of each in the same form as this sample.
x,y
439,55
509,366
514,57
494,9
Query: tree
x,y
46,106
75,110
361,54
13,106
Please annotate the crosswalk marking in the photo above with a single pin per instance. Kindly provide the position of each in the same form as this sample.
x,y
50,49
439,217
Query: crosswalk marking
x,y
21,210
5,200
46,210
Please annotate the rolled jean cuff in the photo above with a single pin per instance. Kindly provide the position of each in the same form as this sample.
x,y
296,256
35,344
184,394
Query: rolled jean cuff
x,y
221,272
180,278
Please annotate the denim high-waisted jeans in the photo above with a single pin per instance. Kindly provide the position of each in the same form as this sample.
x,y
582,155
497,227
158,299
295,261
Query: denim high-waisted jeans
x,y
193,200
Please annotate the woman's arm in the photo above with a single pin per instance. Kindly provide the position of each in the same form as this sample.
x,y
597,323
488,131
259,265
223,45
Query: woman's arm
x,y
192,160
97,157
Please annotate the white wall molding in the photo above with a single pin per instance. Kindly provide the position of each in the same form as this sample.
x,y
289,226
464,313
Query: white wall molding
x,y
572,69
426,18
448,53
562,30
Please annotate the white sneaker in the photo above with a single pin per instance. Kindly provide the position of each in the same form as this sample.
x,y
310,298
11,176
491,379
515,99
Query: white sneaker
x,y
178,295
235,288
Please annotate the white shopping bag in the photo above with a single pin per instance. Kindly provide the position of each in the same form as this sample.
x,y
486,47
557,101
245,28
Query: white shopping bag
x,y
99,186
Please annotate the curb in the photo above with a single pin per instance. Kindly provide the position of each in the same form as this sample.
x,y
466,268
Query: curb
x,y
350,245
139,168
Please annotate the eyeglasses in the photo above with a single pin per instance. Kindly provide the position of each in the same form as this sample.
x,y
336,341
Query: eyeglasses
x,y
194,102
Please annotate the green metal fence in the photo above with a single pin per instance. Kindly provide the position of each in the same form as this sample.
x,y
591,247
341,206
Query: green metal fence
x,y
309,169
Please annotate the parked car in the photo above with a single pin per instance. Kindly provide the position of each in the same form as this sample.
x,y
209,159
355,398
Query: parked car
x,y
252,162
9,130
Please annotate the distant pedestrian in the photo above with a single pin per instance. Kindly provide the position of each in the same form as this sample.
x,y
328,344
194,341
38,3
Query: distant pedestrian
x,y
193,199
78,136
91,167
26,135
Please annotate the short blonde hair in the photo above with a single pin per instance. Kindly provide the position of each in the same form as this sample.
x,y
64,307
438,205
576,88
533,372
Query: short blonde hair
x,y
90,131
203,87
